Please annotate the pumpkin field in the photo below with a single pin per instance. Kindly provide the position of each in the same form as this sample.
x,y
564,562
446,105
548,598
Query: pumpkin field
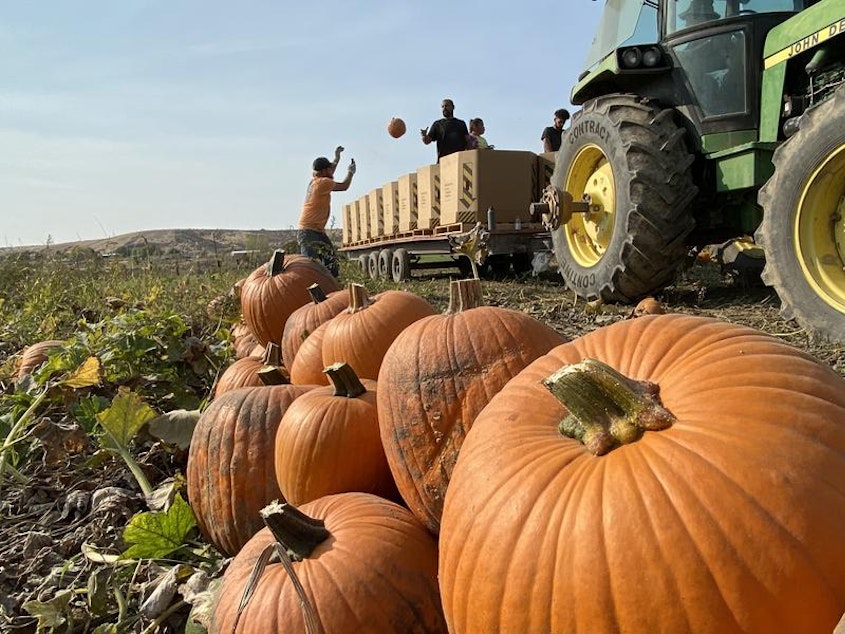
x,y
263,448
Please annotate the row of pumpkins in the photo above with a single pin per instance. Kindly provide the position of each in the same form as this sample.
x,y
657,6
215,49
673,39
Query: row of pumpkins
x,y
471,471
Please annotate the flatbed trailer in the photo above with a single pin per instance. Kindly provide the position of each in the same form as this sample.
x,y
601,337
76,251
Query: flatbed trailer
x,y
506,248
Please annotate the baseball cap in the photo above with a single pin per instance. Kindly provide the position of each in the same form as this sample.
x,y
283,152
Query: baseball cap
x,y
321,163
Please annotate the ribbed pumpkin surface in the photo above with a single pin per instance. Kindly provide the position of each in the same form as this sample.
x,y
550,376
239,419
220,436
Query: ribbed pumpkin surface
x,y
731,520
437,376
230,463
307,367
240,373
305,320
377,573
268,300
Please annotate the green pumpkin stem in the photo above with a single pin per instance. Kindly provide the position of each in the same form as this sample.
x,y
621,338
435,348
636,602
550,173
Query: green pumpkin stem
x,y
359,299
273,372
344,380
606,408
276,263
317,293
464,295
292,528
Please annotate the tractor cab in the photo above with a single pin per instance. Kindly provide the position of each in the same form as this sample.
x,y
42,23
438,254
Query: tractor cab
x,y
693,55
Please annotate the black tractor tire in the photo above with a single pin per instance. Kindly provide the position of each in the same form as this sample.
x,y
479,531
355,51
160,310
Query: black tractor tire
x,y
629,156
803,227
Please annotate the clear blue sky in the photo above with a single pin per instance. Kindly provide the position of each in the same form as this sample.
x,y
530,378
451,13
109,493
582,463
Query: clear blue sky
x,y
119,116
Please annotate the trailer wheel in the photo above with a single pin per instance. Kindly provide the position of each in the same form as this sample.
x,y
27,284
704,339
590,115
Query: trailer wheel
x,y
385,262
628,159
372,265
803,227
401,265
364,264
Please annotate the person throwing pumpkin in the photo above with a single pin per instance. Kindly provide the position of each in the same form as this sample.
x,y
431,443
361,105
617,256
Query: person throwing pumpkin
x,y
311,236
450,133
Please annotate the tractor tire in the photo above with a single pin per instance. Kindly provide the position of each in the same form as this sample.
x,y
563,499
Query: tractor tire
x,y
629,157
803,227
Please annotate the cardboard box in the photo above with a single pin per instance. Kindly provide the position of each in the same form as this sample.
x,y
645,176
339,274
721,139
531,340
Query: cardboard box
x,y
408,202
474,180
390,200
346,229
364,230
376,213
428,196
545,169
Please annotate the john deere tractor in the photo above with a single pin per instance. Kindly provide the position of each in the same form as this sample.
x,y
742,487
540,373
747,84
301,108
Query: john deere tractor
x,y
705,122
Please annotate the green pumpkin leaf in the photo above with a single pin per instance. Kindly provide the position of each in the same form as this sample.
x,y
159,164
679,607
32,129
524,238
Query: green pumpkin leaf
x,y
153,535
127,414
50,613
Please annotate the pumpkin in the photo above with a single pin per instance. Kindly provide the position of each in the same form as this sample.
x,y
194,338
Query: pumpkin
x,y
305,319
361,335
437,376
307,367
244,342
693,481
328,441
253,371
33,356
648,306
273,291
230,462
359,563
396,127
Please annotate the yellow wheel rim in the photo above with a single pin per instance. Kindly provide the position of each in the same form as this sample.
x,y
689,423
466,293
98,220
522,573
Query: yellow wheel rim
x,y
591,177
820,230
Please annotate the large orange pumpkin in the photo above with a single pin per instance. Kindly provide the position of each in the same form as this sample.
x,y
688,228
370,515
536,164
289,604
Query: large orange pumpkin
x,y
396,127
307,367
437,376
727,516
230,462
361,335
364,564
328,441
273,291
305,319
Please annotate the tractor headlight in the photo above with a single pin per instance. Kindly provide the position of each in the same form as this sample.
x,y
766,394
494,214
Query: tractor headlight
x,y
632,57
651,57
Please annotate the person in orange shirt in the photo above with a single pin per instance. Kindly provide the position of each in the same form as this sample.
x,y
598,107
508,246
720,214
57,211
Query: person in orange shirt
x,y
311,236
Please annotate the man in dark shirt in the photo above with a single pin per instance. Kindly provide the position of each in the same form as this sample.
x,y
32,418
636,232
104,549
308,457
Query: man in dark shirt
x,y
450,134
553,135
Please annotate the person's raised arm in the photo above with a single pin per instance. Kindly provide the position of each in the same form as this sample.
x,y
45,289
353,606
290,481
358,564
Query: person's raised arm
x,y
343,185
337,152
425,138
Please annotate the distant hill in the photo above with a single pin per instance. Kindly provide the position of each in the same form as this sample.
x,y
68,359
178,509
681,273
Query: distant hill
x,y
185,242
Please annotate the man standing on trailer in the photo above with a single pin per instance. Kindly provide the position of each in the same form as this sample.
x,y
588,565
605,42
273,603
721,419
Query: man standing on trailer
x,y
450,134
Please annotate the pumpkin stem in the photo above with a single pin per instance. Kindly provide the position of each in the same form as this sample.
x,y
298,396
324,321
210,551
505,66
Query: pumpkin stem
x,y
464,295
345,381
607,409
273,372
276,263
317,293
358,298
292,528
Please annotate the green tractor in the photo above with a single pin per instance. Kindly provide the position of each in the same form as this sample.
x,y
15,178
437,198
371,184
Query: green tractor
x,y
706,122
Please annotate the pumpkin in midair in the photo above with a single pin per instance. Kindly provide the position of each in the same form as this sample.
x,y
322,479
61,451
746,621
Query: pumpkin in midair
x,y
668,473
396,127
436,377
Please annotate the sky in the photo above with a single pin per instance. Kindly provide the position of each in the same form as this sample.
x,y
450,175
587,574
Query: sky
x,y
133,115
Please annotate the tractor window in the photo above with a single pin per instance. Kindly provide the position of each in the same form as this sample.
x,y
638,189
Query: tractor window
x,y
715,67
685,14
